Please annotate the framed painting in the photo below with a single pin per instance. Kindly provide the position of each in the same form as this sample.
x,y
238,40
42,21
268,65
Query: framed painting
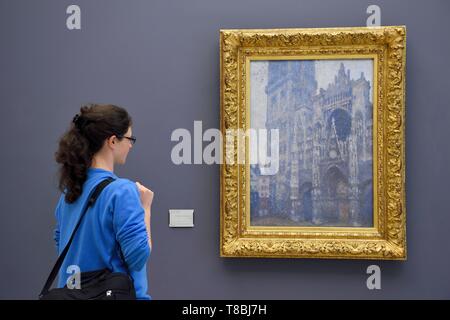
x,y
314,152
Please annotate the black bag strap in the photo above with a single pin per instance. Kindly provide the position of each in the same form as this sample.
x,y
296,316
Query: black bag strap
x,y
93,196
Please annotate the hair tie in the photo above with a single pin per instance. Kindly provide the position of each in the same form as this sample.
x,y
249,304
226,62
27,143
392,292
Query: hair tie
x,y
79,121
74,120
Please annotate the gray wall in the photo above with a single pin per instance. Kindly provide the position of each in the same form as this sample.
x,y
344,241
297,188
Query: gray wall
x,y
160,60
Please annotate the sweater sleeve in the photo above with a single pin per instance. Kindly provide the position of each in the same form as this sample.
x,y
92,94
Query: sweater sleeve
x,y
56,229
129,225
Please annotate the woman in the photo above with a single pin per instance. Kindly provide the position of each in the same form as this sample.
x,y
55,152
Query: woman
x,y
115,233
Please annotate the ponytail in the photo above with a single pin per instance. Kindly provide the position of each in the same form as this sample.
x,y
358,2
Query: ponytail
x,y
85,137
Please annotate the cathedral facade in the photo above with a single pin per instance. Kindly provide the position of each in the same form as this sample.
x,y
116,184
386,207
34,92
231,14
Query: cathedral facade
x,y
325,149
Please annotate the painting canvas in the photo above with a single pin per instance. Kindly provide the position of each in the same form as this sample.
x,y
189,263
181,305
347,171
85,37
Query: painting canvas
x,y
322,110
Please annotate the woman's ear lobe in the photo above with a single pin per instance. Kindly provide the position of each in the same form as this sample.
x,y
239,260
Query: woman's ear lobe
x,y
110,140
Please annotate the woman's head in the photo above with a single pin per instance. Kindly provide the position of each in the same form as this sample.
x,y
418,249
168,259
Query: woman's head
x,y
98,130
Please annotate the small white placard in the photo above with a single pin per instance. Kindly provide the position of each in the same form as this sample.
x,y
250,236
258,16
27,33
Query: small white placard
x,y
181,217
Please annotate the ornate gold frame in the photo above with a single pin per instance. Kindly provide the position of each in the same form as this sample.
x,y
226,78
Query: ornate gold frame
x,y
387,239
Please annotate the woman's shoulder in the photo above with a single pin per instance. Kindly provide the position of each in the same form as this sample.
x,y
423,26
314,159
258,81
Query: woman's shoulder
x,y
122,194
123,186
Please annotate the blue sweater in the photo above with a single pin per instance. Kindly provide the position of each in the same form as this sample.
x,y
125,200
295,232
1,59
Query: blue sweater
x,y
116,217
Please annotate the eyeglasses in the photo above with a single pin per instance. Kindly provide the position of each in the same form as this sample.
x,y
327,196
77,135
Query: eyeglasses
x,y
132,139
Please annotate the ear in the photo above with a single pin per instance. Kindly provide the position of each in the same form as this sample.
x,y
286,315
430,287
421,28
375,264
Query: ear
x,y
111,141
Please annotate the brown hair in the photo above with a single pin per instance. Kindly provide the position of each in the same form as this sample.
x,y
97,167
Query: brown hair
x,y
87,133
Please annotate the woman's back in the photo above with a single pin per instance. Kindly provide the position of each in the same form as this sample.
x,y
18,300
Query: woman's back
x,y
114,222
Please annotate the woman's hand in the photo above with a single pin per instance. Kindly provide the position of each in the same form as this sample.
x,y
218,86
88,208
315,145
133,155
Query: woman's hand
x,y
146,201
146,195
